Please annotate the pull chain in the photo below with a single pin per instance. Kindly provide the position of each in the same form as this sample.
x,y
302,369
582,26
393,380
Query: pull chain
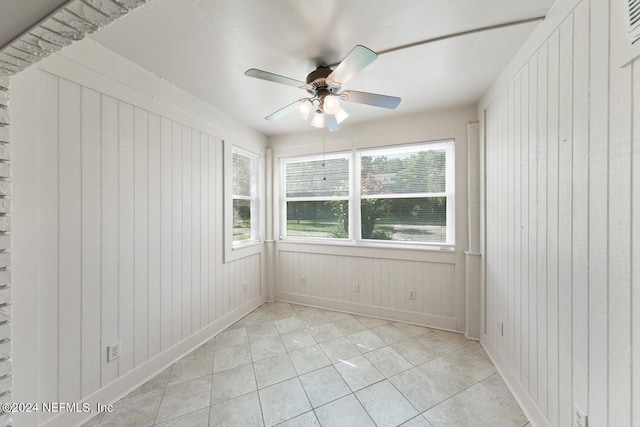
x,y
324,151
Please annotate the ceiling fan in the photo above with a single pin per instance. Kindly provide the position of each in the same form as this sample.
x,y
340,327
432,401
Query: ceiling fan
x,y
324,86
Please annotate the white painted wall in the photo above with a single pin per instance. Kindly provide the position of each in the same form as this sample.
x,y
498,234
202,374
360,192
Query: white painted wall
x,y
562,213
118,230
385,275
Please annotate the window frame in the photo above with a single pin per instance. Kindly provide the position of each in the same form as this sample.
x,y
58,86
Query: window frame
x,y
355,197
284,199
236,249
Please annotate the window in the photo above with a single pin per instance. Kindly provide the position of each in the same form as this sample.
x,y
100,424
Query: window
x,y
402,194
242,210
244,197
317,196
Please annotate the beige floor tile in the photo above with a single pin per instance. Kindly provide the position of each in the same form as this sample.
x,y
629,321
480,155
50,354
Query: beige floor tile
x,y
414,351
139,410
333,316
447,376
385,404
491,409
471,362
260,331
452,413
242,411
344,412
308,419
420,390
366,341
339,349
93,422
184,397
348,325
388,361
269,368
326,332
288,325
358,372
389,334
231,357
497,386
230,337
370,322
302,308
411,330
198,363
455,337
267,347
273,370
157,383
298,339
194,419
257,317
437,343
282,314
309,359
283,401
418,421
312,318
232,383
324,385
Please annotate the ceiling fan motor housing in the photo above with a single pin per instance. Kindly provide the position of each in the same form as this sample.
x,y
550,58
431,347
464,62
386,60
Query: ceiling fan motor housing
x,y
319,85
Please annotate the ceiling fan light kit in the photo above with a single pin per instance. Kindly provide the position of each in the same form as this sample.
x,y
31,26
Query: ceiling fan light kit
x,y
324,85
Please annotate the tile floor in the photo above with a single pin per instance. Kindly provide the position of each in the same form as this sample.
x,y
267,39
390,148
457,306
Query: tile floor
x,y
291,365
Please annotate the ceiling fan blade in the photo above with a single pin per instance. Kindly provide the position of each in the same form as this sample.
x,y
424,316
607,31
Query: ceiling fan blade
x,y
356,60
271,77
284,111
332,124
374,99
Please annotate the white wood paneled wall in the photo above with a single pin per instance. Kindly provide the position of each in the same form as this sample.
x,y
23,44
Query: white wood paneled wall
x,y
128,230
383,285
562,150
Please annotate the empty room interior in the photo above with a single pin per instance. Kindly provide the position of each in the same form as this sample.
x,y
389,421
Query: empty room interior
x,y
319,213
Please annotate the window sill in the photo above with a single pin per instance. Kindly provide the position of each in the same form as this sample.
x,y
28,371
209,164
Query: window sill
x,y
243,251
440,253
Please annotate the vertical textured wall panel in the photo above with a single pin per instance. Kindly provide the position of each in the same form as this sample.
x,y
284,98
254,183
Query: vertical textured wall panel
x,y
127,229
578,186
383,283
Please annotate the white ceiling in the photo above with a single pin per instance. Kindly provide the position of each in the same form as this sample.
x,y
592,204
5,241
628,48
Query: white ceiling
x,y
204,47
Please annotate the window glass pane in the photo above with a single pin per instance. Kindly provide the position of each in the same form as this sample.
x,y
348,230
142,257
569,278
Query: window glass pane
x,y
407,219
318,219
241,219
411,172
317,178
241,175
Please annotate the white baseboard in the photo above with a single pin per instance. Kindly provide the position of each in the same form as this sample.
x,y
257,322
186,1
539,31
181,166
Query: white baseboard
x,y
133,379
526,402
429,320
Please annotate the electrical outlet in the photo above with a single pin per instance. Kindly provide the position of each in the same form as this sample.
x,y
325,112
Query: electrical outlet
x,y
244,287
412,294
113,352
580,418
303,280
355,287
232,295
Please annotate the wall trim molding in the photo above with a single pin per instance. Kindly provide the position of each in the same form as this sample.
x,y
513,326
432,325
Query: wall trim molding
x,y
421,319
529,407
